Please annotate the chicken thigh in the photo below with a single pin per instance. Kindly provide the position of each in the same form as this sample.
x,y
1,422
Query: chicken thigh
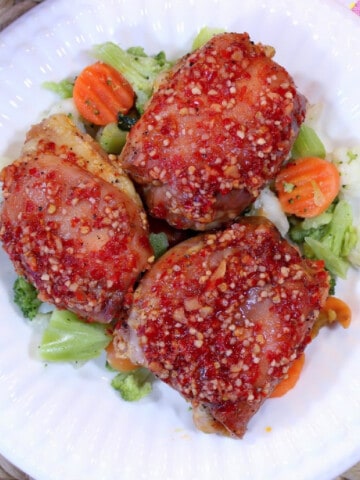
x,y
71,223
222,316
216,130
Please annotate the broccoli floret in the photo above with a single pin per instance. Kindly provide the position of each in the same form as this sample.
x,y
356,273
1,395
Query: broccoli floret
x,y
25,297
133,385
69,339
139,69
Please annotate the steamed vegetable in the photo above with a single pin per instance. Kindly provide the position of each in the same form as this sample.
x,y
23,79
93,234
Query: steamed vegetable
x,y
159,243
308,144
139,69
64,88
204,35
25,297
111,138
267,204
347,161
334,310
330,237
101,92
307,186
68,339
133,385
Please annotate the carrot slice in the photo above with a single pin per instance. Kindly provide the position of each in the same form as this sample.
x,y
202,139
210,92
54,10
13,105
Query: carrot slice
x,y
307,186
291,379
334,307
101,92
117,362
334,310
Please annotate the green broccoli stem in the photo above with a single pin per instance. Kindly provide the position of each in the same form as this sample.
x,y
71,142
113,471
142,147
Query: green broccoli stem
x,y
308,144
126,63
69,339
139,69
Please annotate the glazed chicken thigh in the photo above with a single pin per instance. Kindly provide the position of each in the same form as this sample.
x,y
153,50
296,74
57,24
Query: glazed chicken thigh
x,y
72,223
216,130
222,316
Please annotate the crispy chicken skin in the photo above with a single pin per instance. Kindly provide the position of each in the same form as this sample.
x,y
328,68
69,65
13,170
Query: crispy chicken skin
x,y
216,130
71,223
221,317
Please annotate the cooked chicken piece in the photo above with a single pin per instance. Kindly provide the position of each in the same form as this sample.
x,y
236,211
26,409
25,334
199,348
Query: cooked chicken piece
x,y
216,131
59,136
72,224
222,316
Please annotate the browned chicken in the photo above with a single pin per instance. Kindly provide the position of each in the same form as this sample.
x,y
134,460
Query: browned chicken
x,y
214,133
71,223
222,316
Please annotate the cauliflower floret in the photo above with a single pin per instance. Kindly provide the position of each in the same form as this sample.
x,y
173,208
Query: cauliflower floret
x,y
347,161
267,205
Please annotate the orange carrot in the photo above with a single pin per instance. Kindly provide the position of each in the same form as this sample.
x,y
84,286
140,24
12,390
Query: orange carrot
x,y
307,186
117,362
291,379
334,310
101,92
338,308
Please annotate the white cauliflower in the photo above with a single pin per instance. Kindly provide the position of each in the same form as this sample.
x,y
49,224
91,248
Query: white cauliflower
x,y
347,161
267,205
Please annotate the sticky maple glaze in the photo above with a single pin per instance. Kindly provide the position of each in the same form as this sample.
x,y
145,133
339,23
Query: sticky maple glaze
x,y
214,133
222,316
79,238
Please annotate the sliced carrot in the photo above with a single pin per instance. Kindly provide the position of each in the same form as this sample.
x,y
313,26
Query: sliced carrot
x,y
118,362
291,379
307,186
101,92
341,310
334,310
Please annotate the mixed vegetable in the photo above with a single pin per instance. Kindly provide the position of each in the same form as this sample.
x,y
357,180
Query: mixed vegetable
x,y
310,202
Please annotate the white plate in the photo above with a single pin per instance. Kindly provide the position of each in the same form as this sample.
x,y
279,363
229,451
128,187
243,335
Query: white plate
x,y
57,422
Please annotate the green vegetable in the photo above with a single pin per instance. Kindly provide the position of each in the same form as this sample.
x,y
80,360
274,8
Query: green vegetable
x,y
69,339
311,226
351,155
354,255
125,122
64,88
335,264
140,69
111,138
159,243
308,144
133,385
205,34
25,297
330,237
